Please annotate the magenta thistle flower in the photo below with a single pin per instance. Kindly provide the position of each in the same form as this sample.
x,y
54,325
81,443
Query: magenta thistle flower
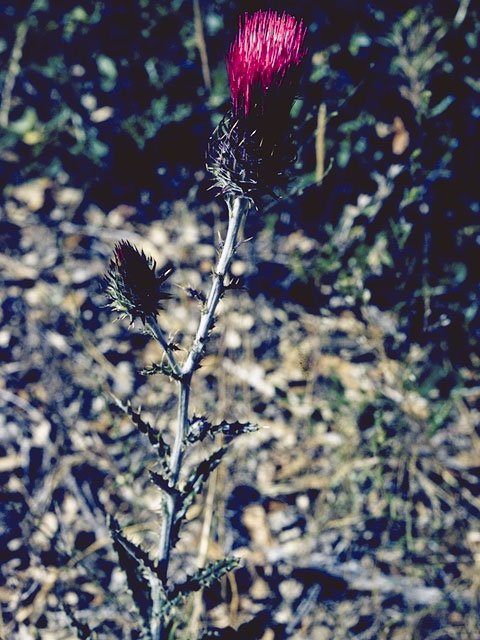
x,y
264,59
252,147
132,285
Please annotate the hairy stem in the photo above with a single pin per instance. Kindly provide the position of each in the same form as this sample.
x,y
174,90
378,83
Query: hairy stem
x,y
153,326
237,211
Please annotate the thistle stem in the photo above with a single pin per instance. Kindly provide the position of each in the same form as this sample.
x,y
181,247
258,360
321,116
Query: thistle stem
x,y
237,211
154,327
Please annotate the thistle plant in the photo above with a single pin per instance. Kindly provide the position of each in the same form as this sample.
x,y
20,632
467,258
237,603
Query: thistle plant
x,y
248,155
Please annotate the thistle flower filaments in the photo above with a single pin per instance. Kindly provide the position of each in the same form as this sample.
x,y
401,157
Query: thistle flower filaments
x,y
252,146
263,62
133,287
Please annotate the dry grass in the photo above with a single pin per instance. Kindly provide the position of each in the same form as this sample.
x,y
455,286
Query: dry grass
x,y
355,508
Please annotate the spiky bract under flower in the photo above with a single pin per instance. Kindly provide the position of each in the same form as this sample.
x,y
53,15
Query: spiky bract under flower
x,y
133,288
252,147
244,162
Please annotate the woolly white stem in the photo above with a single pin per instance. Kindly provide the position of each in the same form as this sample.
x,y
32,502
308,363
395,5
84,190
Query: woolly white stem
x,y
237,211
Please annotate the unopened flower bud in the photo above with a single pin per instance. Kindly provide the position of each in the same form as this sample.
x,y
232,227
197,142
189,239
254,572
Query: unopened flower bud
x,y
132,285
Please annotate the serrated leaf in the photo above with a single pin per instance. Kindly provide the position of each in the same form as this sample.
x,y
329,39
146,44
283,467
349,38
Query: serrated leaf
x,y
234,429
133,566
199,429
160,367
164,484
144,427
143,560
184,504
194,486
200,474
202,578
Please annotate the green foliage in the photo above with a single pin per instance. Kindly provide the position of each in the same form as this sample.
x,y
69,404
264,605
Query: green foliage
x,y
200,474
96,80
396,220
146,580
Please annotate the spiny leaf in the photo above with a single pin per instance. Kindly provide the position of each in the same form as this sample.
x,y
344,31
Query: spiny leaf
x,y
133,566
204,469
233,429
196,295
183,505
160,367
203,578
164,484
194,486
200,428
153,435
143,560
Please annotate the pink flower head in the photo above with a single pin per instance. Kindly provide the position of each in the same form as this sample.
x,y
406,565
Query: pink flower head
x,y
263,60
252,148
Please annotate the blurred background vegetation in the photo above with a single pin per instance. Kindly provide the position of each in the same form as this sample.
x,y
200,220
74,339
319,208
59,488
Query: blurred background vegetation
x,y
112,98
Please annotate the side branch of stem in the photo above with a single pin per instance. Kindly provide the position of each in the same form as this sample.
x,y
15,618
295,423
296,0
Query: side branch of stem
x,y
157,332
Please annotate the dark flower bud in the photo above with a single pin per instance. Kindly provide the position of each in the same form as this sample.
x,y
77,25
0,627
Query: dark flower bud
x,y
253,146
132,285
